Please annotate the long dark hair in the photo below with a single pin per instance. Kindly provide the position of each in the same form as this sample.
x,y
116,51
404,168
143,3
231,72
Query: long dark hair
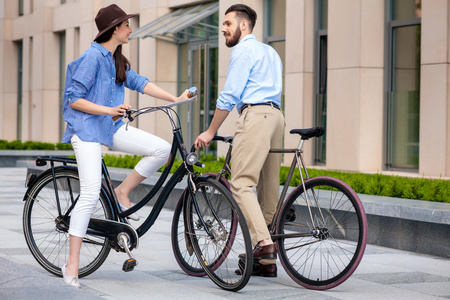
x,y
122,63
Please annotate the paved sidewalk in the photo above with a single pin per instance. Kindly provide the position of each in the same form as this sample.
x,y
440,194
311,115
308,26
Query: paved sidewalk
x,y
383,273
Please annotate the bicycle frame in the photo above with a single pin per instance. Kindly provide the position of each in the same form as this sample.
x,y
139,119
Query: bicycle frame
x,y
297,163
177,147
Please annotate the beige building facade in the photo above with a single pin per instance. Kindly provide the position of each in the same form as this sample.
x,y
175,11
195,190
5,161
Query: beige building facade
x,y
375,73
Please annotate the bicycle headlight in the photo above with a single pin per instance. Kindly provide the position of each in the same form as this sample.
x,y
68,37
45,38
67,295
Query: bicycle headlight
x,y
191,159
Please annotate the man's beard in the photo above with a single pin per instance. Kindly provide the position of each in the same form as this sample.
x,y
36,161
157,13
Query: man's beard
x,y
235,39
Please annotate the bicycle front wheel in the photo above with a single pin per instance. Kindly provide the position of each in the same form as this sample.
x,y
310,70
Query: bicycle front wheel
x,y
322,244
46,223
213,210
181,243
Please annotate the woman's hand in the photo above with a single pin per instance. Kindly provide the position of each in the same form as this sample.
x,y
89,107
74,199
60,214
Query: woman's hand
x,y
118,111
184,96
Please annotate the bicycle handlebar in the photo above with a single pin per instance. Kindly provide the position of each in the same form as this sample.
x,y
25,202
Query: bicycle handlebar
x,y
225,139
129,113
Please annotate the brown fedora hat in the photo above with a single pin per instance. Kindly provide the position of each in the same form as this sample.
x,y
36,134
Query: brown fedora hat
x,y
108,17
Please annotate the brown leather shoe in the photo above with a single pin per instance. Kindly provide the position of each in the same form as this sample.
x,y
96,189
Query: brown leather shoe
x,y
263,252
260,269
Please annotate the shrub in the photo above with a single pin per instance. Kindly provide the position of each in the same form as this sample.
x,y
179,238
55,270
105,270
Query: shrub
x,y
437,190
30,145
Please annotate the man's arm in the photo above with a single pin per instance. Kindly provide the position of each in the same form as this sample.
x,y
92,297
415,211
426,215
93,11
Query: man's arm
x,y
204,138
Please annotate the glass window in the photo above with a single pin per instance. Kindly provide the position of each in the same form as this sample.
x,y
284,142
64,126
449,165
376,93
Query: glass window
x,y
198,66
406,9
320,84
323,14
403,97
275,31
277,18
62,78
20,7
19,88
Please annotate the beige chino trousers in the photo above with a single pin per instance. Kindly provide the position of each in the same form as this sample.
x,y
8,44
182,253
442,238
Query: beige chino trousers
x,y
258,129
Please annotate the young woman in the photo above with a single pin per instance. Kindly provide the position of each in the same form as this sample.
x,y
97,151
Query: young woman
x,y
93,108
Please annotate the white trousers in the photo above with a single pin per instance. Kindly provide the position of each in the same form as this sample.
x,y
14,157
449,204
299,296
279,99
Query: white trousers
x,y
89,160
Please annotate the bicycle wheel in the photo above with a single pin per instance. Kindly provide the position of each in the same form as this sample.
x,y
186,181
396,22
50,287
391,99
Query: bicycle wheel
x,y
322,246
46,227
181,244
218,253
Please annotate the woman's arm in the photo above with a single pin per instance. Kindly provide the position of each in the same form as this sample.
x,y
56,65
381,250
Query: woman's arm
x,y
95,109
153,90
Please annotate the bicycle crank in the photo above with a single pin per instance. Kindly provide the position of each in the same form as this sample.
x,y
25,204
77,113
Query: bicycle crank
x,y
123,240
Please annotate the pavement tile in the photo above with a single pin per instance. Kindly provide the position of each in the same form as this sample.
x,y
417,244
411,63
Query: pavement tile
x,y
383,273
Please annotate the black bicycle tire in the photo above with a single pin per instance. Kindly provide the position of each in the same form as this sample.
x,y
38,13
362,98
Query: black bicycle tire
x,y
33,193
187,262
215,270
358,216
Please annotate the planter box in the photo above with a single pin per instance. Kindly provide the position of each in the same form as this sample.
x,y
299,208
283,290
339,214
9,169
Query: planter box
x,y
9,158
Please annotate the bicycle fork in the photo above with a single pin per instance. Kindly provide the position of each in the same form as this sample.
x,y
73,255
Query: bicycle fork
x,y
215,235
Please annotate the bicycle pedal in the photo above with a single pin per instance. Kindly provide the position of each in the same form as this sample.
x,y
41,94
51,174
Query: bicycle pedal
x,y
129,265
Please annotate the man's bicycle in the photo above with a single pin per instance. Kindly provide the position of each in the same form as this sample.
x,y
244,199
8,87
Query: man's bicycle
x,y
320,228
212,220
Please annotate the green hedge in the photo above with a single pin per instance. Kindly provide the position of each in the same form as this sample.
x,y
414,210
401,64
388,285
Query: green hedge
x,y
437,190
29,145
372,184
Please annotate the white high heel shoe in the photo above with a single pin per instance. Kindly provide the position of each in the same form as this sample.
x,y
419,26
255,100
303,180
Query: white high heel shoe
x,y
134,216
70,280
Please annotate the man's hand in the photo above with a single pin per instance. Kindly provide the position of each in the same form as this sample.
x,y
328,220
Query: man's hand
x,y
206,137
203,140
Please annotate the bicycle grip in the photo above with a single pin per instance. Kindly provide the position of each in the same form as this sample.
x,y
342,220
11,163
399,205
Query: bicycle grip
x,y
192,92
199,164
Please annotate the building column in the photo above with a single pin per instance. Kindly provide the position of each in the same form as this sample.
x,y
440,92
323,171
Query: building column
x,y
299,76
355,85
434,157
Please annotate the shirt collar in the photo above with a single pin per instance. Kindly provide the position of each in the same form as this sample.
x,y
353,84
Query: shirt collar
x,y
100,48
248,37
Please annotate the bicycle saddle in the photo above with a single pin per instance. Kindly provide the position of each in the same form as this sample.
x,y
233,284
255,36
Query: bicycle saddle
x,y
308,133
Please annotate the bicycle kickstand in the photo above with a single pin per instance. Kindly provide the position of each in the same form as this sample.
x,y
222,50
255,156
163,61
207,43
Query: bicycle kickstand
x,y
124,242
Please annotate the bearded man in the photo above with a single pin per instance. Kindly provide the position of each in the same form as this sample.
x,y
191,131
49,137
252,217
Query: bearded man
x,y
254,86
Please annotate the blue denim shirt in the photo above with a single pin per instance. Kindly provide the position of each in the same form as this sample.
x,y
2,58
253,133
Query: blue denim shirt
x,y
254,76
93,77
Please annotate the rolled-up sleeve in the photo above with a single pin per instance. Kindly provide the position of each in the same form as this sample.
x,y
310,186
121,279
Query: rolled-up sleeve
x,y
237,77
135,81
82,80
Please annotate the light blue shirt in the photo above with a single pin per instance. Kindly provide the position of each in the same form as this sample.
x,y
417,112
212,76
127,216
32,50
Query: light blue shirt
x,y
254,76
93,77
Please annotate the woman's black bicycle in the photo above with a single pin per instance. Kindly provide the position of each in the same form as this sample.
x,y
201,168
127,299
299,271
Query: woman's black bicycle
x,y
320,228
213,223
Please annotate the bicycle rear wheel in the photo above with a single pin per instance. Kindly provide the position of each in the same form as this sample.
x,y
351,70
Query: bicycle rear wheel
x,y
322,246
46,225
215,209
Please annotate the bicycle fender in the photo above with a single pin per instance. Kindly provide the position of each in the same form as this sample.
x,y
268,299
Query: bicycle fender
x,y
32,180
